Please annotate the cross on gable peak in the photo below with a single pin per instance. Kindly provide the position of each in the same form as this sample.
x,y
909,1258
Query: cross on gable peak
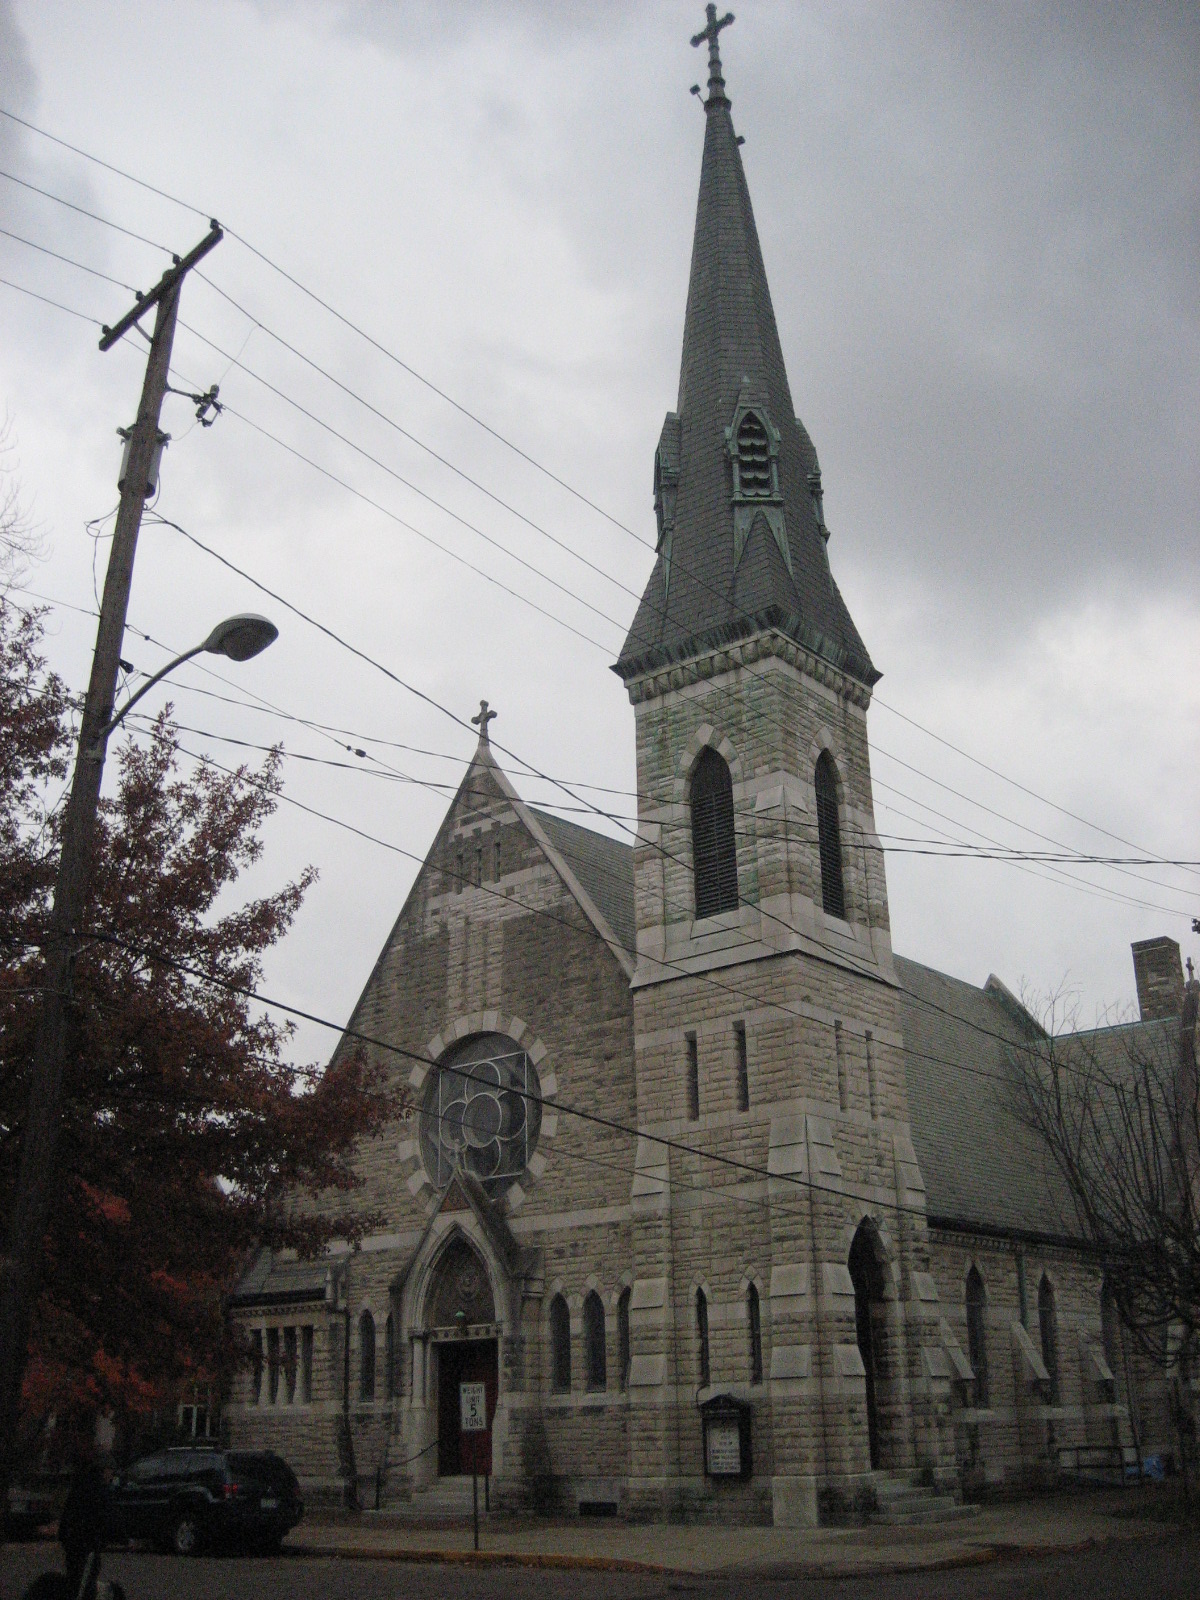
x,y
711,32
486,715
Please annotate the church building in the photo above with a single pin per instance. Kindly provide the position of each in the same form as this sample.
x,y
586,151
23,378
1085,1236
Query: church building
x,y
715,1196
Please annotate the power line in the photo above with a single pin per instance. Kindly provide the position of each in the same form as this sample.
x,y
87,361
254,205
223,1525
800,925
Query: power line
x,y
902,844
444,461
807,1184
741,994
69,260
1115,863
460,720
46,301
837,958
996,773
407,483
84,212
107,165
471,416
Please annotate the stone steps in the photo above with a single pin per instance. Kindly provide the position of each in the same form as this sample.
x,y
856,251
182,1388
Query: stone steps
x,y
445,1500
904,1504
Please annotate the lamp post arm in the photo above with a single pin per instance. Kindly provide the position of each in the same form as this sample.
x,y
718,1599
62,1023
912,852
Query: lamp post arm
x,y
116,720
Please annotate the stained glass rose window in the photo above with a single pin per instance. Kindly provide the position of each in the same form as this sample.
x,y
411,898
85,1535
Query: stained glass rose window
x,y
481,1113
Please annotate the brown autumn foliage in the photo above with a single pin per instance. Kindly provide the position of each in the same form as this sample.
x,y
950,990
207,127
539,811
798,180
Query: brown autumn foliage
x,y
188,1137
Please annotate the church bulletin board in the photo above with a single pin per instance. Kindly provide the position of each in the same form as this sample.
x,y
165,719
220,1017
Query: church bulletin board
x,y
726,1422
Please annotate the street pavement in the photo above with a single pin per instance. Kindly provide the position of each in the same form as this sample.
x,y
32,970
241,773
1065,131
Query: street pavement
x,y
1095,1544
1162,1568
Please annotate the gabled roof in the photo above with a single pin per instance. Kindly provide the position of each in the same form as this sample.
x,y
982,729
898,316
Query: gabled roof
x,y
603,866
732,358
979,1163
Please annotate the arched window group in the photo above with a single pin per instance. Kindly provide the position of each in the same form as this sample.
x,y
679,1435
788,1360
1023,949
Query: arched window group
x,y
595,1343
829,837
977,1334
714,848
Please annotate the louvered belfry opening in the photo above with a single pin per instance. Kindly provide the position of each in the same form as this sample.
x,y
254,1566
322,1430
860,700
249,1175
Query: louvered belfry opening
x,y
754,459
829,837
714,850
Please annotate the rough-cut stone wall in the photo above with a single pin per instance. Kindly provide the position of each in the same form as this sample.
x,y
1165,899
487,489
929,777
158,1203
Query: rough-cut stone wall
x,y
827,1116
1019,1435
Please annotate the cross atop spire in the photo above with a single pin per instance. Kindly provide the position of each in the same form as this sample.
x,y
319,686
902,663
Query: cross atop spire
x,y
716,83
486,715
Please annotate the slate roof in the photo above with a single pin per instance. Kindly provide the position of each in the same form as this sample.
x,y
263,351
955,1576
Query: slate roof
x,y
604,867
731,349
274,1279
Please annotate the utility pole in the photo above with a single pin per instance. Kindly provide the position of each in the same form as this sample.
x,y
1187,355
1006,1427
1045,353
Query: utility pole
x,y
20,1269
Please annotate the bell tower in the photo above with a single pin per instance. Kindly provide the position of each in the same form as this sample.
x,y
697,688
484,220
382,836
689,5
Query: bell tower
x,y
764,997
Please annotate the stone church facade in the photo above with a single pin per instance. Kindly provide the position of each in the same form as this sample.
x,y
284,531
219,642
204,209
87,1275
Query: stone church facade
x,y
712,1192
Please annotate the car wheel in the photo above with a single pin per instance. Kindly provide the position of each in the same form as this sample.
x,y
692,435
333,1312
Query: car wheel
x,y
185,1534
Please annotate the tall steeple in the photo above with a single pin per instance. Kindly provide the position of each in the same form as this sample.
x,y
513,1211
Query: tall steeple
x,y
741,535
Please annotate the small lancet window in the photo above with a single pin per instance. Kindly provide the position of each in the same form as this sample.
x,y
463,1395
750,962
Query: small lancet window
x,y
594,1342
366,1346
753,459
977,1333
1048,1327
829,837
560,1346
714,849
624,1345
754,1326
702,1338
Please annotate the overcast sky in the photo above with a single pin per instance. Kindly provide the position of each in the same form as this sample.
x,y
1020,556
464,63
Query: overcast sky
x,y
980,229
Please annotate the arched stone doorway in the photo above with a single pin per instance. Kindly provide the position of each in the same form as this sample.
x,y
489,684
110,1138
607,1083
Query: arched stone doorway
x,y
870,1323
461,1321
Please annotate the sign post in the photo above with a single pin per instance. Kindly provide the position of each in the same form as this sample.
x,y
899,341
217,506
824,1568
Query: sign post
x,y
472,1415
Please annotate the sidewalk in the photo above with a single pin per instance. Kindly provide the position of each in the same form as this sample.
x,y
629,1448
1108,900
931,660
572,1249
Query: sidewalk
x,y
1043,1526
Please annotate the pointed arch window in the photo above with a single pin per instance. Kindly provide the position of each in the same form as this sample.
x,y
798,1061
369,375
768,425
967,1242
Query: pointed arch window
x,y
366,1353
594,1355
977,1333
702,1338
624,1344
1048,1326
755,478
829,837
754,1327
714,849
560,1346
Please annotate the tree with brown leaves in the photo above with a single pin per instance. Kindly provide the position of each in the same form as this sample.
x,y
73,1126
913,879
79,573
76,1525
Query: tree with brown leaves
x,y
188,1137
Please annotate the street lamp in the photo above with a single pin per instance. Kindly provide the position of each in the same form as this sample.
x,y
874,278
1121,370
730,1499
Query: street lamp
x,y
240,638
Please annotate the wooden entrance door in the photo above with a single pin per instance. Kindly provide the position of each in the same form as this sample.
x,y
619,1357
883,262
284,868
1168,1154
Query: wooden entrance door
x,y
471,1361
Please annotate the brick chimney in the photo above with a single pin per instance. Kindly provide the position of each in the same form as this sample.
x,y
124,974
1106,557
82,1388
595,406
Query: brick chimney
x,y
1158,968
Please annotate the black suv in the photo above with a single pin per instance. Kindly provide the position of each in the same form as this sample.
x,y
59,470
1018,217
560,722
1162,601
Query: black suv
x,y
184,1499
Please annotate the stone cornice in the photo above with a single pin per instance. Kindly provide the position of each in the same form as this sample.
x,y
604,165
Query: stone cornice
x,y
745,653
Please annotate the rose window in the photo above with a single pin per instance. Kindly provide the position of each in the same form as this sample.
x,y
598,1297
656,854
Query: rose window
x,y
481,1113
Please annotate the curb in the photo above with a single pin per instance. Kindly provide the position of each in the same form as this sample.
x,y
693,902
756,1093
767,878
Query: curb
x,y
546,1560
981,1555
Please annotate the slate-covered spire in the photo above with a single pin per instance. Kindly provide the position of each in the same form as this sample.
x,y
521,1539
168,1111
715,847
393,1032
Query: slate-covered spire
x,y
736,482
